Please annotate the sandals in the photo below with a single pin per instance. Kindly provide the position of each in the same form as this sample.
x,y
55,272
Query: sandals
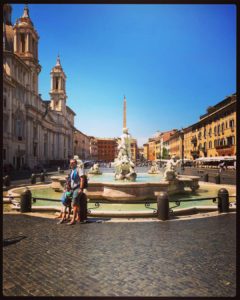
x,y
71,223
61,221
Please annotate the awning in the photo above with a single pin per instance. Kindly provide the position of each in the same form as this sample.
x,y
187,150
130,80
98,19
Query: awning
x,y
216,158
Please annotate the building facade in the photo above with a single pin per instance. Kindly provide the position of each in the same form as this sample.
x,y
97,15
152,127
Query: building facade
x,y
107,149
175,148
93,148
81,145
34,131
134,149
146,151
215,133
158,147
140,154
151,149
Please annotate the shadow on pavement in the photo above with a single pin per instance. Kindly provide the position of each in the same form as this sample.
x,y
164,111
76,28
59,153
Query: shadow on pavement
x,y
13,240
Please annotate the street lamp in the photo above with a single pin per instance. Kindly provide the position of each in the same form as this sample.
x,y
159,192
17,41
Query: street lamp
x,y
182,136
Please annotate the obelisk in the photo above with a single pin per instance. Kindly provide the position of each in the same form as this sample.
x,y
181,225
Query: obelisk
x,y
124,113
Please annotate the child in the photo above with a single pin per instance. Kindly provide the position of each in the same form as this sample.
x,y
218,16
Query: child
x,y
66,203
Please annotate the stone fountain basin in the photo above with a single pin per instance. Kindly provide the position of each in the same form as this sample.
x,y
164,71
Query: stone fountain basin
x,y
132,191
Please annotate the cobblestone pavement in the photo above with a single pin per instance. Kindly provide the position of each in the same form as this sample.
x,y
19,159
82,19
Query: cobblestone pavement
x,y
194,257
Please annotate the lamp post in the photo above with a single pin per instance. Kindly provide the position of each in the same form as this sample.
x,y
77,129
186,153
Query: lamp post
x,y
182,136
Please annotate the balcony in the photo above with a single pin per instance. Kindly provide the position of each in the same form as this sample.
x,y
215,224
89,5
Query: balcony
x,y
225,150
224,146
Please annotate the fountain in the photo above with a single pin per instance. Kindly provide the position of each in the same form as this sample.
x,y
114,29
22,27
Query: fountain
x,y
95,170
125,186
124,166
124,190
154,169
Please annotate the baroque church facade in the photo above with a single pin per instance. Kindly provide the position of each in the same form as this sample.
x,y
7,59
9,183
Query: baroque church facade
x,y
35,131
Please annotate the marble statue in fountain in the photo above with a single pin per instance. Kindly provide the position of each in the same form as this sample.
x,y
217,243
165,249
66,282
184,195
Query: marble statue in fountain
x,y
95,170
80,163
178,182
154,169
124,166
170,170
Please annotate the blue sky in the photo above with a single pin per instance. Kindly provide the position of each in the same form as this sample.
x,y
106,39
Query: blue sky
x,y
171,62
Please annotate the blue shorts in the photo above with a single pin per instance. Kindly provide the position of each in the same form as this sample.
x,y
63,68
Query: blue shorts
x,y
66,200
76,197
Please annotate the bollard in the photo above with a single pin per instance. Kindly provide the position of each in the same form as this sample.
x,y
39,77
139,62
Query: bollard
x,y
33,178
42,177
205,177
163,206
6,181
83,207
217,179
223,200
26,201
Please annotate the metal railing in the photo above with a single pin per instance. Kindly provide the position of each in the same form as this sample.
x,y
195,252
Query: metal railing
x,y
178,202
146,203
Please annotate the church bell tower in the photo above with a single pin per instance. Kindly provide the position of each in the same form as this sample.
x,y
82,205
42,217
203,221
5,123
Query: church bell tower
x,y
58,88
26,45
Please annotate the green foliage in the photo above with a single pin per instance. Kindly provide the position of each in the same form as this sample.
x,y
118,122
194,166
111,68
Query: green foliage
x,y
165,153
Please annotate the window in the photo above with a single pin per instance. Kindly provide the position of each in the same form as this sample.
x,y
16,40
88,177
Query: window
x,y
204,133
231,123
215,130
4,154
53,150
222,127
45,146
34,149
218,130
19,129
35,132
231,140
210,145
56,83
5,98
22,37
210,132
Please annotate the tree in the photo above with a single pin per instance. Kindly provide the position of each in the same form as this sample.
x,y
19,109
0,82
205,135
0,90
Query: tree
x,y
165,153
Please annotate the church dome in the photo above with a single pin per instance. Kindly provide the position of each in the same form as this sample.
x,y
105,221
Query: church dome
x,y
25,19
